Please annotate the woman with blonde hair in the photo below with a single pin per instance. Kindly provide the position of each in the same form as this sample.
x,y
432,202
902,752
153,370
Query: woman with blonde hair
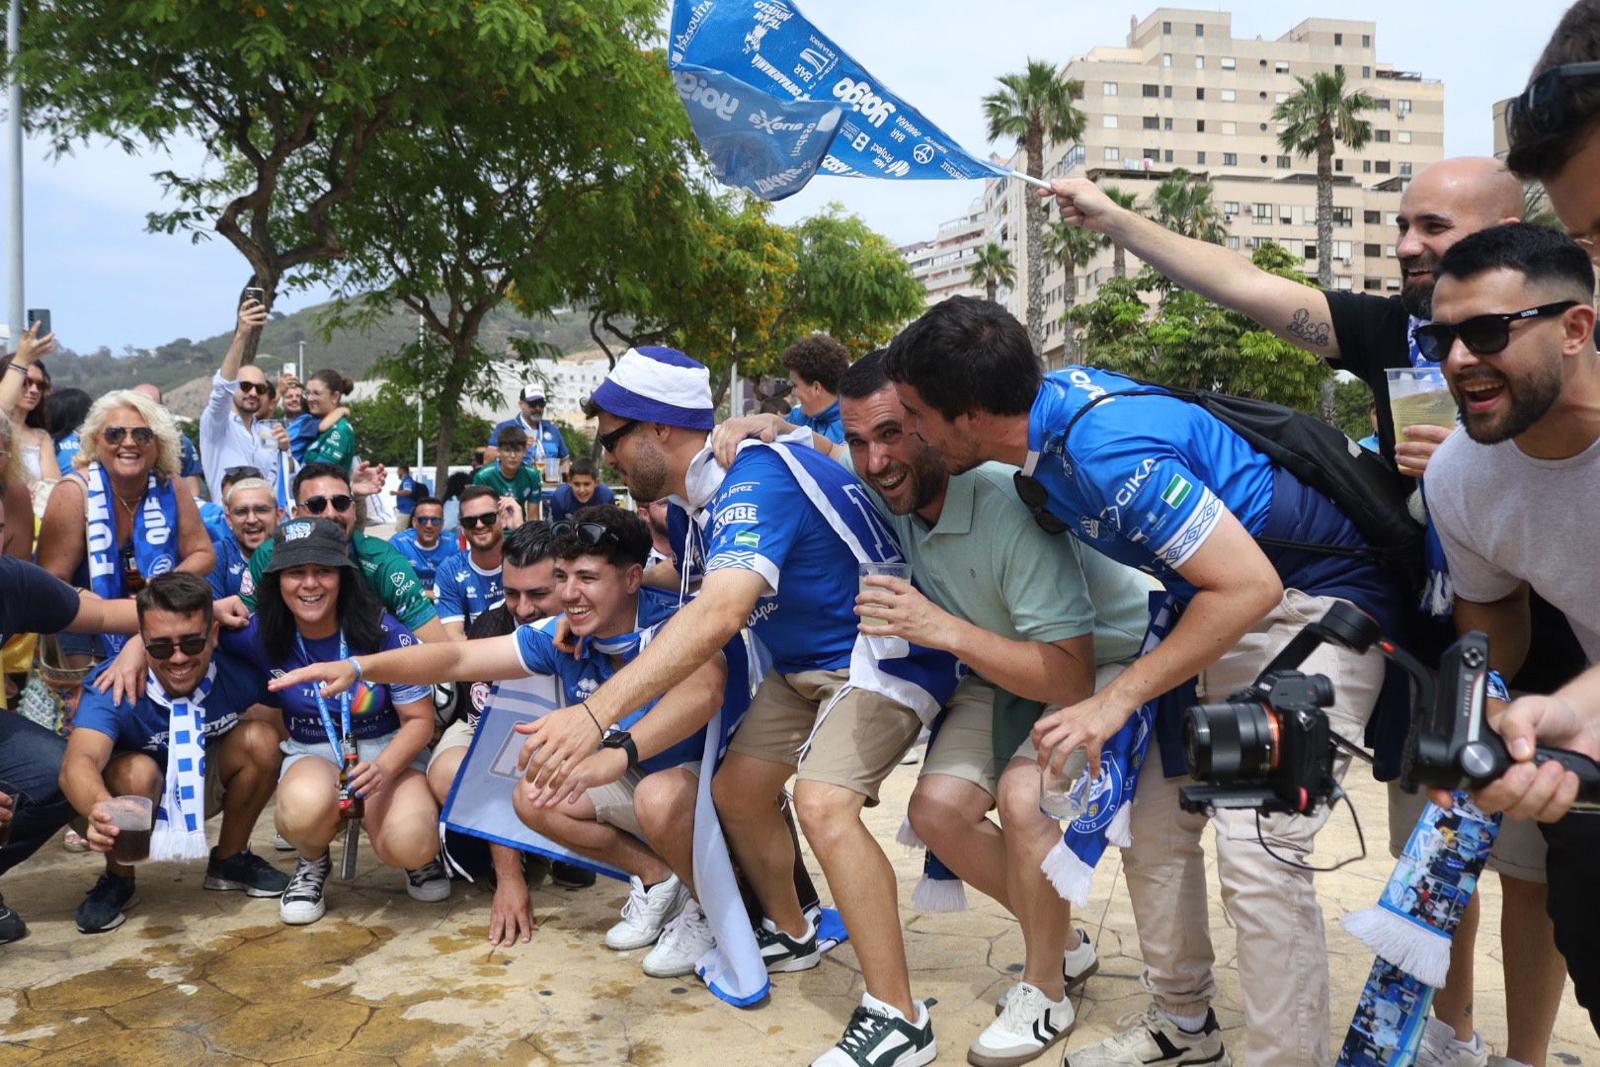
x,y
124,516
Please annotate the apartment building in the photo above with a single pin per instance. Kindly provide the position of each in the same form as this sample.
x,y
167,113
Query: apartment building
x,y
1183,91
943,265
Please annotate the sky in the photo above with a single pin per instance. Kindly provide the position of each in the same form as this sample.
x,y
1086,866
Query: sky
x,y
108,282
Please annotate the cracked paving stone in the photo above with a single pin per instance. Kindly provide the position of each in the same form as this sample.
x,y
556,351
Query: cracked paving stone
x,y
274,1032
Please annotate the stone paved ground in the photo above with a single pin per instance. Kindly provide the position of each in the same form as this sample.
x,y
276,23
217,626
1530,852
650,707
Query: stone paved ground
x,y
203,978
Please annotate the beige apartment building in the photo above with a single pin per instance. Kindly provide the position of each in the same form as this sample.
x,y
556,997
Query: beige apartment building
x,y
943,265
1184,92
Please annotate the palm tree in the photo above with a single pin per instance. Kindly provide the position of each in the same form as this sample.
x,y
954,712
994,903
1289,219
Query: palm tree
x,y
1073,247
1182,203
1313,119
992,268
1122,198
1029,108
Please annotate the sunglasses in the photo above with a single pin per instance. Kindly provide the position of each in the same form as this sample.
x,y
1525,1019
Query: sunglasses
x,y
316,505
1484,335
1031,492
471,522
587,534
255,387
164,647
36,383
608,441
428,520
244,511
142,435
1546,107
239,474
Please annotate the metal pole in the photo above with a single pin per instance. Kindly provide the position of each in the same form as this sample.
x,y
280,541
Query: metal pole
x,y
301,373
14,165
420,340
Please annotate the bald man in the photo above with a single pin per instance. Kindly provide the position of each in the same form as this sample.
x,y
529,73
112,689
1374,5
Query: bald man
x,y
1366,335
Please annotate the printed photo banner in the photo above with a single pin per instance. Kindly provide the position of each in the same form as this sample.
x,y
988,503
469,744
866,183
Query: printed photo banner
x,y
773,100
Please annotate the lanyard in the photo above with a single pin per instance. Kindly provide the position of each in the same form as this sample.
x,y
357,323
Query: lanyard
x,y
322,705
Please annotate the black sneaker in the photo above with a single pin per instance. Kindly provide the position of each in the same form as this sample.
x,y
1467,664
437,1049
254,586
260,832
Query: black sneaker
x,y
780,952
245,870
570,875
102,909
429,883
878,1036
12,928
302,901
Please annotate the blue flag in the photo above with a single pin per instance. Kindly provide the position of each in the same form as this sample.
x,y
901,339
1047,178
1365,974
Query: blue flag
x,y
773,100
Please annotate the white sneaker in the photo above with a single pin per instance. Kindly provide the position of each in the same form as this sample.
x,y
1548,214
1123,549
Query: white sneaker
x,y
879,1036
1440,1048
429,883
681,944
281,843
645,913
1030,1024
302,901
1078,965
1152,1038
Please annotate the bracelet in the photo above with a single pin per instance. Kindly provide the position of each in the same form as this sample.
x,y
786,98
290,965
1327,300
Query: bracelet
x,y
1496,688
17,365
585,706
355,662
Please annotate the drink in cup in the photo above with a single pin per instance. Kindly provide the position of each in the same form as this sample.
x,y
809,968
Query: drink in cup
x,y
1418,396
1064,796
884,570
133,818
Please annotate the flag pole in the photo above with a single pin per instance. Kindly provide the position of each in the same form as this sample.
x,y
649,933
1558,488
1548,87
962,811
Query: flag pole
x,y
1030,179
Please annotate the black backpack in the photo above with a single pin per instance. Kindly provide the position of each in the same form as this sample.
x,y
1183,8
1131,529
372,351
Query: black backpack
x,y
1362,484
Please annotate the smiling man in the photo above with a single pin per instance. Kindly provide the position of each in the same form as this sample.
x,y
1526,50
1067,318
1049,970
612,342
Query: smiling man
x,y
422,543
252,516
469,583
229,433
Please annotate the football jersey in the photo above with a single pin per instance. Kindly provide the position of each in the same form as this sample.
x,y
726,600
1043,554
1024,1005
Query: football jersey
x,y
464,590
425,561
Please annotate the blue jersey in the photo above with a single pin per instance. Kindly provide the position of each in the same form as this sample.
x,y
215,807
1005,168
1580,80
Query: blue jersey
x,y
67,450
465,591
546,442
405,503
827,422
372,711
232,565
425,561
303,430
215,520
564,503
581,674
189,459
141,725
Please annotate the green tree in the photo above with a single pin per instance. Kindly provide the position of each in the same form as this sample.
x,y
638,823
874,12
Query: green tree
x,y
1072,247
1182,203
850,282
1536,207
1352,408
1313,118
1121,198
992,268
1029,108
386,429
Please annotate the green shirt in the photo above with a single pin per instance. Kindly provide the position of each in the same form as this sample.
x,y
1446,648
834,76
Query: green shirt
x,y
525,488
387,572
336,445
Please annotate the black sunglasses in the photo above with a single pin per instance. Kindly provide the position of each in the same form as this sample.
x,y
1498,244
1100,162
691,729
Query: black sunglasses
x,y
428,520
164,647
608,441
587,534
1545,106
469,522
255,387
142,435
1484,335
316,505
1031,492
239,474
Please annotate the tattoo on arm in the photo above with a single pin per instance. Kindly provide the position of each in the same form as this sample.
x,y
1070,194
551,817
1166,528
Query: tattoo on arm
x,y
1312,333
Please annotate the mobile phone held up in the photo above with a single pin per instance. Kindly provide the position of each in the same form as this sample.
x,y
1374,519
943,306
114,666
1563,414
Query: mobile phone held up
x,y
42,317
256,293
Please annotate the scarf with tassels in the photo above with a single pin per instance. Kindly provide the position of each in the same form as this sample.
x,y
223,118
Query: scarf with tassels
x,y
180,827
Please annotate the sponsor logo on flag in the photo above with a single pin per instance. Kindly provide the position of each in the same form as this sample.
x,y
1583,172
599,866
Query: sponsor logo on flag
x,y
1176,492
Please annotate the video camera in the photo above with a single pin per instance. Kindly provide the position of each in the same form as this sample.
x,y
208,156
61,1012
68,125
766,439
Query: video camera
x,y
1270,747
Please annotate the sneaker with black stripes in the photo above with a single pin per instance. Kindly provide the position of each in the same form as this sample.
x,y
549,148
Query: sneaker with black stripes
x,y
782,953
1030,1024
1152,1038
879,1036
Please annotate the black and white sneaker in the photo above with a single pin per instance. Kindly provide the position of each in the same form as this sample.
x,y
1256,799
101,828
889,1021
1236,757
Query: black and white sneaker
x,y
1030,1024
302,901
12,928
1152,1038
783,953
1078,965
247,871
879,1036
102,909
429,883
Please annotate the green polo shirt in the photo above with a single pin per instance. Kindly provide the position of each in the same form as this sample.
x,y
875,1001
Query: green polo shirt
x,y
336,445
387,572
525,488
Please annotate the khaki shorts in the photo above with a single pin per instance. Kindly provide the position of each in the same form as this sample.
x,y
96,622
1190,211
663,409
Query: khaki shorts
x,y
213,778
964,745
856,746
457,735
613,803
1519,850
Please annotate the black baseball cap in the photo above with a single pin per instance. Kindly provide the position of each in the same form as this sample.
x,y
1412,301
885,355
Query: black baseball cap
x,y
309,542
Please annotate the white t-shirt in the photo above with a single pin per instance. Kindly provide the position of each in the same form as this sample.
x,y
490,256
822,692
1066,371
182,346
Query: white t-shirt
x,y
1505,517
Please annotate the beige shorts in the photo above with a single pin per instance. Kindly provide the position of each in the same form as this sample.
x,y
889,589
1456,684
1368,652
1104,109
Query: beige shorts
x,y
857,745
457,735
613,803
213,778
1519,850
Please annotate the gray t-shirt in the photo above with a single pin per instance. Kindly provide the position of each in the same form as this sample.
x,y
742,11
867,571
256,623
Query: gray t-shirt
x,y
1505,518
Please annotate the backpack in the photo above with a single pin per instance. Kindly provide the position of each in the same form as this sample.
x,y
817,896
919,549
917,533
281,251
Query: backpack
x,y
1362,484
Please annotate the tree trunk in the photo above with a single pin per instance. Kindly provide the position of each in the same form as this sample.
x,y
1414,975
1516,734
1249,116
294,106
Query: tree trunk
x,y
991,286
1119,261
1069,343
1033,211
1325,243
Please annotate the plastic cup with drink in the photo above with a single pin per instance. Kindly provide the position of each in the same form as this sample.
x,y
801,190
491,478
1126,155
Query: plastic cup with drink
x,y
133,817
1064,795
1419,396
880,570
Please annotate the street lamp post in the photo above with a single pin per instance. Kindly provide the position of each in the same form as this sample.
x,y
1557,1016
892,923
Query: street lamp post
x,y
14,165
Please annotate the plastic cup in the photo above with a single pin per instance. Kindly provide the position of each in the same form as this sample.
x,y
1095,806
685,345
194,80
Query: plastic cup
x,y
134,818
1418,396
883,570
1063,798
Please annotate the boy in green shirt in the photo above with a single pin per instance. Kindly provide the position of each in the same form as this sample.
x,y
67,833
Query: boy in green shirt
x,y
509,476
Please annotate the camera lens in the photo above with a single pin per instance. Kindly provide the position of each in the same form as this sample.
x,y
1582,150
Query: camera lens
x,y
1231,742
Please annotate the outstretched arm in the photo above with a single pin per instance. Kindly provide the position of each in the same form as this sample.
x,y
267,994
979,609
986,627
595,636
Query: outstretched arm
x,y
491,659
252,315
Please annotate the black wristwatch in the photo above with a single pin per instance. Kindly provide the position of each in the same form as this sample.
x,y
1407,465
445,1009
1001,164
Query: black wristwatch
x,y
623,740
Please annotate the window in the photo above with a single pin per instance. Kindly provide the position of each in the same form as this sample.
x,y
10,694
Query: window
x,y
1199,62
1262,213
1366,40
1391,218
1338,39
1230,127
1280,67
1153,154
1403,107
1382,102
1403,136
1309,251
1286,215
1230,208
1199,29
1166,92
1381,136
1371,251
1199,125
1338,166
1371,218
1229,96
1200,94
1228,63
1167,155
1341,250
1278,98
1200,159
1108,88
1166,59
1344,281
1230,159
1366,72
1388,251
1233,242
1111,153
1108,121
1166,123
1166,27
1392,284
1382,166
1343,216
1366,166
1405,169
1151,91
1371,284
1285,162
1151,122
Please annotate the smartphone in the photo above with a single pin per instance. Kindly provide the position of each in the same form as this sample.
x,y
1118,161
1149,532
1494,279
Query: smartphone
x,y
257,294
42,317
290,370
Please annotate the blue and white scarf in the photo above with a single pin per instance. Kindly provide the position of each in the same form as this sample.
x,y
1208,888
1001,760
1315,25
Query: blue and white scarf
x,y
286,471
155,537
1438,594
180,828
1070,864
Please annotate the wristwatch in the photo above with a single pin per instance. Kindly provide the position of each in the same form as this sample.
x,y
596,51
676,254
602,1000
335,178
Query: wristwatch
x,y
623,740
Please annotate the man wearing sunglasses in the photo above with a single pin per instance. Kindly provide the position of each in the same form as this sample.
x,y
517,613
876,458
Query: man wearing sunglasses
x,y
469,583
322,490
1514,498
229,436
121,749
422,542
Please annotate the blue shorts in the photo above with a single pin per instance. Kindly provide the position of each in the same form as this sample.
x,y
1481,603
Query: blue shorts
x,y
367,748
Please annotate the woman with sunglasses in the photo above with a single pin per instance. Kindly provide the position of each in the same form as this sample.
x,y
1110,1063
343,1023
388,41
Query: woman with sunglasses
x,y
312,606
324,399
24,387
123,516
